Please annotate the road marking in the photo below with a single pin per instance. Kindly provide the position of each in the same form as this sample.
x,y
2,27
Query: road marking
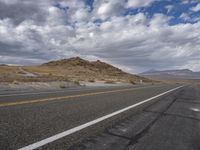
x,y
83,126
65,97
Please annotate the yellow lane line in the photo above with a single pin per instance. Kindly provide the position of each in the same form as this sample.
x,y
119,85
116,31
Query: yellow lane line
x,y
65,97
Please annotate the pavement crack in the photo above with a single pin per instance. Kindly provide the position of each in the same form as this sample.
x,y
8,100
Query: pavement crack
x,y
134,140
155,112
181,116
184,101
138,136
117,135
175,115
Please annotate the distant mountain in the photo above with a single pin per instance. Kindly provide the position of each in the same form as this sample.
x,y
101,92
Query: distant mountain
x,y
172,74
3,65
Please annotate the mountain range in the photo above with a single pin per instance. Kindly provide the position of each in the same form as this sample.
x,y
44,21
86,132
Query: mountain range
x,y
171,74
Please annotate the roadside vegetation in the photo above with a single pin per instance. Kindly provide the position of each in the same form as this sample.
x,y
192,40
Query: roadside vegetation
x,y
62,86
132,82
91,80
76,82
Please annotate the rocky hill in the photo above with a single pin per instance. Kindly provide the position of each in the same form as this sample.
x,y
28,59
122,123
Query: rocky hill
x,y
85,70
72,69
77,64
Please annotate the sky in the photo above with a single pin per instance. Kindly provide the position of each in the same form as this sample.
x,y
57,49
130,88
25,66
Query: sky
x,y
135,35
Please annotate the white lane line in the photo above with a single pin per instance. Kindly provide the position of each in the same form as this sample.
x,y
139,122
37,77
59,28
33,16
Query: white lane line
x,y
83,126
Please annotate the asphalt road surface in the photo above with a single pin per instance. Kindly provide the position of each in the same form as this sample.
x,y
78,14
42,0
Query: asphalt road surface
x,y
143,117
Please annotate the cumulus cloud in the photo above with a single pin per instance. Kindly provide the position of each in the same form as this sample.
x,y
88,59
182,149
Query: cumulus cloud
x,y
19,11
108,8
32,32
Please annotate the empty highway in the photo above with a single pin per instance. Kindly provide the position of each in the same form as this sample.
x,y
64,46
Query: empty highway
x,y
77,119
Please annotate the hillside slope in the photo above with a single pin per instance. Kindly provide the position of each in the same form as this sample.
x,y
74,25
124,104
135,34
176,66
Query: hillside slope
x,y
80,69
72,69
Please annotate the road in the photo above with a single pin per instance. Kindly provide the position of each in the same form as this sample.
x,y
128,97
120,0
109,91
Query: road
x,y
26,73
151,117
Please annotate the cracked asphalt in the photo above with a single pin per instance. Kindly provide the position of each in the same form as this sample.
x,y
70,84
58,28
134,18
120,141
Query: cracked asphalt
x,y
172,123
169,122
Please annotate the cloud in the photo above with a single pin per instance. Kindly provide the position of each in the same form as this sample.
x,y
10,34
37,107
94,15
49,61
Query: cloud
x,y
144,43
139,3
169,8
44,30
19,11
104,9
196,8
189,1
185,16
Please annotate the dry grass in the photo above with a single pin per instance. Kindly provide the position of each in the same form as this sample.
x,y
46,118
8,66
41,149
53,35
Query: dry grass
x,y
8,69
45,71
132,82
76,82
62,86
15,82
